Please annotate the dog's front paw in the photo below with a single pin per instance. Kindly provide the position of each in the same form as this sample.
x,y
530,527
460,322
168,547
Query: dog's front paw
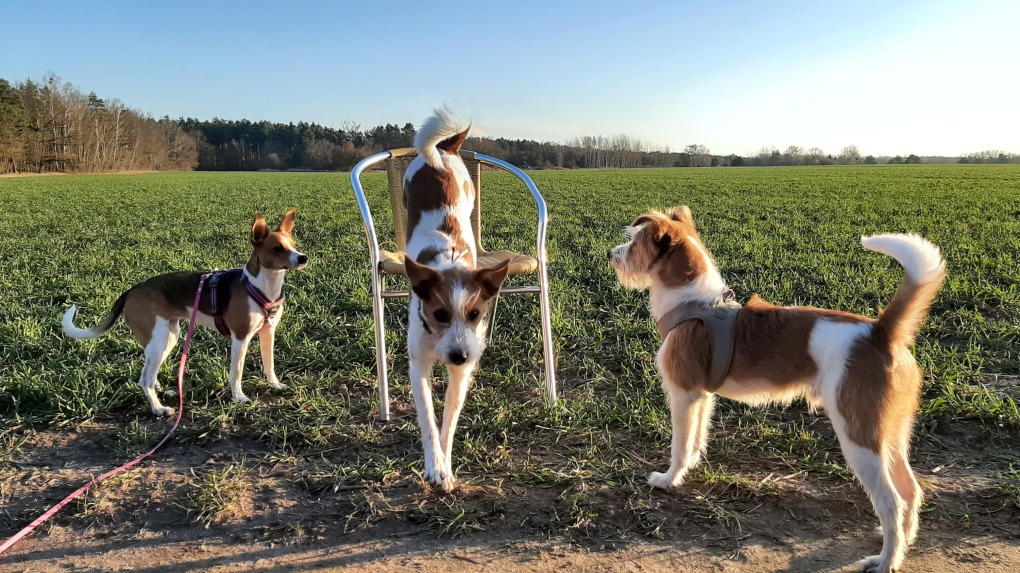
x,y
875,564
241,399
277,385
163,410
664,481
439,476
442,480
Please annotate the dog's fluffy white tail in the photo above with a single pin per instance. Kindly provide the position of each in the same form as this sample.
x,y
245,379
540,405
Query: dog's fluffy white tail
x,y
925,268
67,323
440,131
921,259
80,333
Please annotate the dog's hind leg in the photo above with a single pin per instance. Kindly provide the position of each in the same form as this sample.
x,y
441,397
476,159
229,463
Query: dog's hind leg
x,y
691,413
174,334
875,473
908,488
163,338
456,392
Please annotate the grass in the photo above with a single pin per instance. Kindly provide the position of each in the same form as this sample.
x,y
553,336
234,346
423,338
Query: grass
x,y
791,235
218,495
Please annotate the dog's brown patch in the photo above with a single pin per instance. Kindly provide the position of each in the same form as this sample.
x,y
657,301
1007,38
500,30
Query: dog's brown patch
x,y
879,395
170,296
773,342
429,189
770,343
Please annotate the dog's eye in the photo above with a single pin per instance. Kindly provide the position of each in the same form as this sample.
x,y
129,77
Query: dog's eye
x,y
473,314
442,316
278,249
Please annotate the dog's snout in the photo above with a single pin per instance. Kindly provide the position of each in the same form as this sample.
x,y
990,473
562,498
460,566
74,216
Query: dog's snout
x,y
302,259
609,255
457,357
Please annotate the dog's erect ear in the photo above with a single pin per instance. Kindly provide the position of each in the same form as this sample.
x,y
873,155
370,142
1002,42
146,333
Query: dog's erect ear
x,y
423,278
287,224
491,279
452,144
259,230
655,232
682,214
642,220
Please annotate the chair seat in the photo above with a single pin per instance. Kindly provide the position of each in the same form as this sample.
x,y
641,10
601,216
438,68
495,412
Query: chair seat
x,y
393,263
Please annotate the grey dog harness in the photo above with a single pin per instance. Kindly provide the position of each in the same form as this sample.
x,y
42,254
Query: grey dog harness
x,y
720,319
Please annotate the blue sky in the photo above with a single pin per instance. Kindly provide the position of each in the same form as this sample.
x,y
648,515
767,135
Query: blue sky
x,y
900,77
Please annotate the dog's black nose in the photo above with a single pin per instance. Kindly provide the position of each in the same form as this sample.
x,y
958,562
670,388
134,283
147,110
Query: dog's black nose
x,y
609,255
457,357
302,259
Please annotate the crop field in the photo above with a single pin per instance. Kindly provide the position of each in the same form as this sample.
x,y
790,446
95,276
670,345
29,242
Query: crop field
x,y
310,467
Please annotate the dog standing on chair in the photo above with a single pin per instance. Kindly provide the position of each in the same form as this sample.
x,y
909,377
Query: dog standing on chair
x,y
449,295
240,303
859,369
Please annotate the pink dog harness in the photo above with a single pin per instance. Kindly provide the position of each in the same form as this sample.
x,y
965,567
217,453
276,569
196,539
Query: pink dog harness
x,y
270,308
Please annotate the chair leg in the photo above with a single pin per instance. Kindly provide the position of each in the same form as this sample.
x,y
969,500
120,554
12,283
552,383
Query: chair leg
x,y
547,339
490,325
380,346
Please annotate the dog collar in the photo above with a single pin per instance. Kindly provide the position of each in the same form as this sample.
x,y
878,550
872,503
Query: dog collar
x,y
424,323
720,319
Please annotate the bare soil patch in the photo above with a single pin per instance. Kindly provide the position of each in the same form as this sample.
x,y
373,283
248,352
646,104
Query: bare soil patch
x,y
284,521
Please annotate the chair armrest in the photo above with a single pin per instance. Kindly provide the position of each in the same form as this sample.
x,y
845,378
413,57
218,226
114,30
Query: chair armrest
x,y
543,216
366,213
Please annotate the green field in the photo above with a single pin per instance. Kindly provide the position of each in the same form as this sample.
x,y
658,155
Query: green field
x,y
790,234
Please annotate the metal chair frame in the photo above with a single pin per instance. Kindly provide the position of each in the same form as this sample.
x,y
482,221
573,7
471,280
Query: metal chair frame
x,y
380,294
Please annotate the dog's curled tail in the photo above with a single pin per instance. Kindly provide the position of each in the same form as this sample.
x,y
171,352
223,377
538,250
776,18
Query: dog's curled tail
x,y
926,270
87,334
440,131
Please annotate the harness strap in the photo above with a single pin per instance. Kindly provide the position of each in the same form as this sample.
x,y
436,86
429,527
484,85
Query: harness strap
x,y
270,308
217,313
720,320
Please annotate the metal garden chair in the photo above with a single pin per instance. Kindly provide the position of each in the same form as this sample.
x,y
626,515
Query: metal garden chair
x,y
392,263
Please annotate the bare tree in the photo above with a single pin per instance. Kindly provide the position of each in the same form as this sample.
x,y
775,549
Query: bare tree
x,y
793,155
814,156
696,155
850,155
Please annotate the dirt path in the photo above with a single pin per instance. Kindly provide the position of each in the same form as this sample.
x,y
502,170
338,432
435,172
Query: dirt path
x,y
290,514
66,549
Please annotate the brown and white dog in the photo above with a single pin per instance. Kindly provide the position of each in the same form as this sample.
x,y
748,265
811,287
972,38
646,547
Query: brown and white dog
x,y
154,308
859,369
449,295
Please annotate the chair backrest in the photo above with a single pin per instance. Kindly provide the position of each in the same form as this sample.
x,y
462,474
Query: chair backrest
x,y
397,164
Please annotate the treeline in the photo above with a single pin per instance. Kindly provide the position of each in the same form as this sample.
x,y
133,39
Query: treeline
x,y
991,156
227,145
52,126
245,145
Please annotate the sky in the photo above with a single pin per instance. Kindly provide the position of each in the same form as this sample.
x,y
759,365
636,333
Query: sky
x,y
893,78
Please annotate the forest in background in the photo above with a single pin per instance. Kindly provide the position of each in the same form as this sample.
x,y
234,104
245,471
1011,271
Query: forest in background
x,y
52,126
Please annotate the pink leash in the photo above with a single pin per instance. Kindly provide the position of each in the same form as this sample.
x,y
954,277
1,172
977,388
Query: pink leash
x,y
180,411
